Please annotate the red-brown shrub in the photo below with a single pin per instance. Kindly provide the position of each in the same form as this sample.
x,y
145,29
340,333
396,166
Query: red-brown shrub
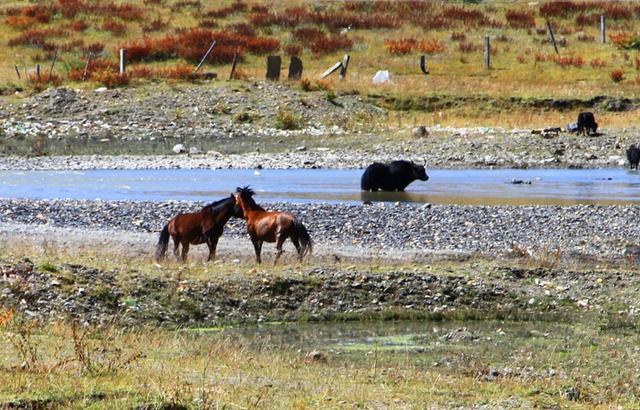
x,y
191,45
521,59
78,25
141,71
587,19
128,12
19,21
258,8
243,29
117,29
110,77
36,38
432,46
40,13
597,63
94,48
560,8
520,19
293,50
617,75
331,44
307,35
180,72
236,7
458,36
569,61
44,81
401,46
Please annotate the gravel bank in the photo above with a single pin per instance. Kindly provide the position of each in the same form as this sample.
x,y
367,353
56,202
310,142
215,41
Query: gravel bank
x,y
594,232
347,132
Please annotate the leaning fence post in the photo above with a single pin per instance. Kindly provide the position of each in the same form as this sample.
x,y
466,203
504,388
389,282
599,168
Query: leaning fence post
x,y
487,52
205,56
553,38
122,62
86,66
53,63
603,29
345,65
17,71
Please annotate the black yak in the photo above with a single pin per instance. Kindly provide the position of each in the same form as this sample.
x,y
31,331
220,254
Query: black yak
x,y
394,176
586,123
633,155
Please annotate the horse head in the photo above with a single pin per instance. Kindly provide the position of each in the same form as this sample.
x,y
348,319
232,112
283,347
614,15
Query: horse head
x,y
244,198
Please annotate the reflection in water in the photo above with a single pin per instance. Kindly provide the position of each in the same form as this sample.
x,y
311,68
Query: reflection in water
x,y
465,187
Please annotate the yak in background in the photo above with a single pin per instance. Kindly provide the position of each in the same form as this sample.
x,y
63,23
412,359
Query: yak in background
x,y
394,176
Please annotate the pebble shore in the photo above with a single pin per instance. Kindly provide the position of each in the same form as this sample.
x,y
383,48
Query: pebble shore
x,y
599,232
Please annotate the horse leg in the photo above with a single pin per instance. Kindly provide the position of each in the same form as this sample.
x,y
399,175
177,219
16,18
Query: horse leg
x,y
279,243
296,243
213,243
176,244
185,251
257,245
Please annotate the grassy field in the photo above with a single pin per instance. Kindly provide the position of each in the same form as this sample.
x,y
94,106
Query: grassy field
x,y
166,38
74,366
561,359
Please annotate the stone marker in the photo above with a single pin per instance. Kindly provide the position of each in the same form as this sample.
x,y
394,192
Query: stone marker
x,y
295,68
273,68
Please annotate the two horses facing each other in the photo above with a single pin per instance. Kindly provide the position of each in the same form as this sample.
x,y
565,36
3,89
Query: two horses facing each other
x,y
207,225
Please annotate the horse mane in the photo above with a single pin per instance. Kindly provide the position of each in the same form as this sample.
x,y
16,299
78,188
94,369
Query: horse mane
x,y
217,205
247,194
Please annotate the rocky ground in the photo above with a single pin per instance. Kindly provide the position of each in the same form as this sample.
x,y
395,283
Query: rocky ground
x,y
228,294
584,231
236,125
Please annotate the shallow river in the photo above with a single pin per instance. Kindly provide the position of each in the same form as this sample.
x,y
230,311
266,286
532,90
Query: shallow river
x,y
470,187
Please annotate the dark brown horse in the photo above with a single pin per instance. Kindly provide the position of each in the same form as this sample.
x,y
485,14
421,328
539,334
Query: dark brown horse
x,y
269,226
198,227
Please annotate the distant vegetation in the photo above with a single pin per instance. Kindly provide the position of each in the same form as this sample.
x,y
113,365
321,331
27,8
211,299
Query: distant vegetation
x,y
164,39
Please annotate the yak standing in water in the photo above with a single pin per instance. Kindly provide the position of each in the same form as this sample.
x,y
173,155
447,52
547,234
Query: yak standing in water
x,y
394,176
633,155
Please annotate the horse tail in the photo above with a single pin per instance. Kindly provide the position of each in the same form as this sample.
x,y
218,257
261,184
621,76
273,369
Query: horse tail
x,y
163,243
300,231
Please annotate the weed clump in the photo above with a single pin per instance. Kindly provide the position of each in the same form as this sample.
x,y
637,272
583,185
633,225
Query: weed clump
x,y
287,120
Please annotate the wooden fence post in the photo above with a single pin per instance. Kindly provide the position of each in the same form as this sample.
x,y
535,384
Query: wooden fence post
x,y
122,62
17,71
603,29
487,52
38,71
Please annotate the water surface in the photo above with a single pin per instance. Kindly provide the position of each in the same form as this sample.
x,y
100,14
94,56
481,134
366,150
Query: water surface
x,y
470,187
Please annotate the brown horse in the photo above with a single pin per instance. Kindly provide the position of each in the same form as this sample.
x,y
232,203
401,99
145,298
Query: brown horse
x,y
269,226
198,227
